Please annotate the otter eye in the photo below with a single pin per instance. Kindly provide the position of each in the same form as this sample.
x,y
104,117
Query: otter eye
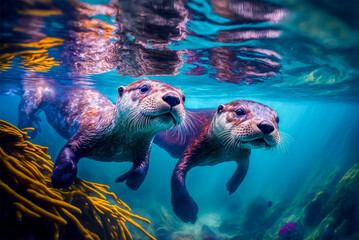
x,y
144,89
183,99
240,112
120,90
277,119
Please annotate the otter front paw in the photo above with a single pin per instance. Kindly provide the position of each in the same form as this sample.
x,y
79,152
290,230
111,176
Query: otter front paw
x,y
63,175
232,185
133,178
185,208
33,122
136,175
32,134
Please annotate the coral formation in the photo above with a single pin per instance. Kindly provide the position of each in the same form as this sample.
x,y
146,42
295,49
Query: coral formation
x,y
290,231
80,212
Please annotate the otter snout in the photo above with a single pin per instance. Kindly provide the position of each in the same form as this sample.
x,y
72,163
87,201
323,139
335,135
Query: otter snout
x,y
265,127
171,99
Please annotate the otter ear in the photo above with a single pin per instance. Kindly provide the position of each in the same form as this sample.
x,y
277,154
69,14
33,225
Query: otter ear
x,y
121,90
220,108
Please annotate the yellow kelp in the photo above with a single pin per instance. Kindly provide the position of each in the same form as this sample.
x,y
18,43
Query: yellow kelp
x,y
43,43
31,207
40,12
5,61
39,62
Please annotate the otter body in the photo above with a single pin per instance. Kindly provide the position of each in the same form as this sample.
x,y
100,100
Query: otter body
x,y
98,129
227,134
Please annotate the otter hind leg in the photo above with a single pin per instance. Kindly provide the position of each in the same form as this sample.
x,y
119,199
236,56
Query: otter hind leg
x,y
65,169
183,204
238,176
136,175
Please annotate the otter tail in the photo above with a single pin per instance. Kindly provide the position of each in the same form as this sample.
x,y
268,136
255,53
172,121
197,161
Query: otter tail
x,y
183,204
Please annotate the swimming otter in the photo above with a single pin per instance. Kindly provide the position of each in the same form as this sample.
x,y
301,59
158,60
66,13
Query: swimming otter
x,y
100,130
226,135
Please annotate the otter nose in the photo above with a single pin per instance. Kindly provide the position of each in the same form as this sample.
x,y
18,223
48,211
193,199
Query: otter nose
x,y
265,127
171,100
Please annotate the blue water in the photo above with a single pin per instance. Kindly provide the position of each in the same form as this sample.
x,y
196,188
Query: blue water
x,y
298,57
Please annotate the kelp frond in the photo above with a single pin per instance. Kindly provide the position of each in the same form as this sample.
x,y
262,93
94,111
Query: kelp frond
x,y
81,211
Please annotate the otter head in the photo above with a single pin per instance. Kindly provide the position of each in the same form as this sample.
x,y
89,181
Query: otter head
x,y
150,106
246,124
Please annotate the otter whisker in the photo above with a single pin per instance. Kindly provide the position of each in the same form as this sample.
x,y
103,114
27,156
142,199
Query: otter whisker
x,y
283,145
279,148
275,108
228,142
285,140
238,143
179,131
226,138
185,128
137,121
193,117
133,121
284,134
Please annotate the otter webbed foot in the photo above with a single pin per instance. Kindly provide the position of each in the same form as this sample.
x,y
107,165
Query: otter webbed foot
x,y
26,121
182,203
184,207
136,175
65,169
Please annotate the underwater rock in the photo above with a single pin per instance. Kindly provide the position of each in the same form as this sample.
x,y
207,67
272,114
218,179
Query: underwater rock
x,y
255,218
333,178
308,206
342,210
314,210
255,212
325,208
229,225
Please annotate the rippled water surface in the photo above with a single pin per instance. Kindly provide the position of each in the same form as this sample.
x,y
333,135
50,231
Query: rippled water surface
x,y
298,57
276,50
